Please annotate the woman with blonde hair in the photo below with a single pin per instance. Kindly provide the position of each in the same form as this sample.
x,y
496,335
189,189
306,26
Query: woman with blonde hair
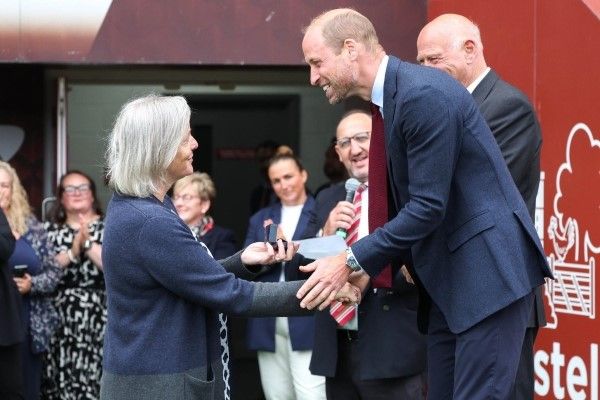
x,y
37,275
193,195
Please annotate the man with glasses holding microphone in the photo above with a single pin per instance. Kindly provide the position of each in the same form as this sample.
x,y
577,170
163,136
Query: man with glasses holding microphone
x,y
376,351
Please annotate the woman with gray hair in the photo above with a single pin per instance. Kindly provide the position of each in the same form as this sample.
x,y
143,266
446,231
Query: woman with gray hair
x,y
164,290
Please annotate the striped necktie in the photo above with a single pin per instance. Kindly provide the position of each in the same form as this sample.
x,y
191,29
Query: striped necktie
x,y
344,313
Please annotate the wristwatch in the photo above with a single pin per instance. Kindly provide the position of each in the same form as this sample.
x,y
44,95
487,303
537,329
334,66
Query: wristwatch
x,y
351,261
87,245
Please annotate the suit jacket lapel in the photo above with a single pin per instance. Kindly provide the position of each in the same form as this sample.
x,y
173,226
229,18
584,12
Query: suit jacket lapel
x,y
485,87
304,218
390,90
275,213
340,194
389,95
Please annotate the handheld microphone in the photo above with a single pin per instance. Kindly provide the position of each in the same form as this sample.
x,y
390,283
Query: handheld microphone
x,y
351,185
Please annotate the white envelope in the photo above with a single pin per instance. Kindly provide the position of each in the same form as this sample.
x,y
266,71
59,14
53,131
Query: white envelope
x,y
316,248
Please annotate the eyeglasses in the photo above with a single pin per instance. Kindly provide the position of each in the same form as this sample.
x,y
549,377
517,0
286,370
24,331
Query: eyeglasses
x,y
185,197
72,189
360,138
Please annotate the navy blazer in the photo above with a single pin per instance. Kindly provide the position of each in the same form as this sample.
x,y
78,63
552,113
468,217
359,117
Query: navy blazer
x,y
511,118
474,247
220,241
390,344
260,333
12,325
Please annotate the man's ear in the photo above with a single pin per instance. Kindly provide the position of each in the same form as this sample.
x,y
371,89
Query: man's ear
x,y
339,153
351,47
470,50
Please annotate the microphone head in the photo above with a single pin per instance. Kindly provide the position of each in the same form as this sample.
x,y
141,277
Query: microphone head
x,y
352,184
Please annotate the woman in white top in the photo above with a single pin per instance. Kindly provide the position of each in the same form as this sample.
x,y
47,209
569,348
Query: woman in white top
x,y
284,345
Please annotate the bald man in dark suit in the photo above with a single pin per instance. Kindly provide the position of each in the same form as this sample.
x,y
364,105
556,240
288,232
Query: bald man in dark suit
x,y
452,43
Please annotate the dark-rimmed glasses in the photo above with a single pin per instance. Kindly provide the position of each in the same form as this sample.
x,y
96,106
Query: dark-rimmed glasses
x,y
360,138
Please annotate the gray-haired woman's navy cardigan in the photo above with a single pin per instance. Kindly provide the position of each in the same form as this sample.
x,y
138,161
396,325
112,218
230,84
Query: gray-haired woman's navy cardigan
x,y
164,295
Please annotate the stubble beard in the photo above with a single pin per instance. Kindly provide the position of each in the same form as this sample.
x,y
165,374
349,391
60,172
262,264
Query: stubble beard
x,y
361,175
344,81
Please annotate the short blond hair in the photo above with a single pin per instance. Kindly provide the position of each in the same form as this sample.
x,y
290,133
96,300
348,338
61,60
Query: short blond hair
x,y
346,23
202,184
19,210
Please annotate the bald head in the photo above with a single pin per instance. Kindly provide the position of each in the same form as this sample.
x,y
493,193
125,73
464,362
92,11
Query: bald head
x,y
452,43
453,26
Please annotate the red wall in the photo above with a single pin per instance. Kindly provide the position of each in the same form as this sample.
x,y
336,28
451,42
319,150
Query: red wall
x,y
549,49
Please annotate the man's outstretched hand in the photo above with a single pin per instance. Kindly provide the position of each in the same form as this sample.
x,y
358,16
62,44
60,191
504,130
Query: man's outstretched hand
x,y
329,274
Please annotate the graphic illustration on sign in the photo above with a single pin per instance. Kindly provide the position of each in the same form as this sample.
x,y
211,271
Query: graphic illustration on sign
x,y
573,229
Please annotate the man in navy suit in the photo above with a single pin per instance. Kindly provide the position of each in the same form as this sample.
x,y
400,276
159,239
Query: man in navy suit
x,y
476,257
380,354
452,43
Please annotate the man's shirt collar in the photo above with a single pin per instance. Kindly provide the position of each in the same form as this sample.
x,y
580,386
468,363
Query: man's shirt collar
x,y
473,85
377,92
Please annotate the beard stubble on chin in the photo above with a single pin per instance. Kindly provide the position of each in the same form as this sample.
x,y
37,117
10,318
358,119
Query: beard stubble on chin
x,y
342,84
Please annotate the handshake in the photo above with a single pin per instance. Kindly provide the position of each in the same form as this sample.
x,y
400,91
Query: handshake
x,y
331,280
349,293
275,249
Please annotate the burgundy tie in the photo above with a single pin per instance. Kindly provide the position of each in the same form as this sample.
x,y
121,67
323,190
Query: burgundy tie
x,y
378,196
344,313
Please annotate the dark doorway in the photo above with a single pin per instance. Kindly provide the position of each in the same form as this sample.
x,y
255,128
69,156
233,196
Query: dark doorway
x,y
203,154
228,128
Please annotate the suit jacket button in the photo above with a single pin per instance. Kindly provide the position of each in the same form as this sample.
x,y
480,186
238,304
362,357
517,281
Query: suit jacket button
x,y
386,307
